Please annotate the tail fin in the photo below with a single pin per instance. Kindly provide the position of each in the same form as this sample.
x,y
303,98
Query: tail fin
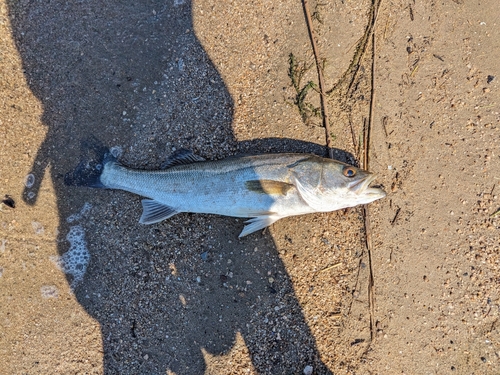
x,y
88,171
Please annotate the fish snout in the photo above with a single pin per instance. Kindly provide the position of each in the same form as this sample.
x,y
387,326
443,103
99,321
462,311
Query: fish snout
x,y
362,187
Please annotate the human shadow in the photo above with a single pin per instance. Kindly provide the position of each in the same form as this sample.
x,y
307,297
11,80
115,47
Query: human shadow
x,y
132,74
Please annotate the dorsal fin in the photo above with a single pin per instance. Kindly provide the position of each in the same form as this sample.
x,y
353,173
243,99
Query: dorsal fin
x,y
180,157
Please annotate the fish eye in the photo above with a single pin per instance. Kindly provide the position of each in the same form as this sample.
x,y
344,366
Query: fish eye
x,y
349,171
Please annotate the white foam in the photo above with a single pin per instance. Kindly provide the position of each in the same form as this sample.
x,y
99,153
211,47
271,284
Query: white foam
x,y
181,65
49,291
116,151
29,180
83,212
74,262
37,227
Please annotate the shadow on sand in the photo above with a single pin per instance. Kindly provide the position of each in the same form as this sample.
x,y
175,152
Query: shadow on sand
x,y
133,74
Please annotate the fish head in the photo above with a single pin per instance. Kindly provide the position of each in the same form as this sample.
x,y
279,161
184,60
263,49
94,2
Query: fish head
x,y
343,185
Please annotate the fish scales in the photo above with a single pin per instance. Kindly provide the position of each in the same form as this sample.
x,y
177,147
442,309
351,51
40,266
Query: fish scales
x,y
209,187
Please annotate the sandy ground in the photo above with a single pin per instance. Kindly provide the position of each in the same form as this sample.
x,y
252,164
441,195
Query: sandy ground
x,y
85,289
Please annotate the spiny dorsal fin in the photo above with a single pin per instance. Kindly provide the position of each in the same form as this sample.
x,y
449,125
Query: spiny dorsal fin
x,y
268,187
180,157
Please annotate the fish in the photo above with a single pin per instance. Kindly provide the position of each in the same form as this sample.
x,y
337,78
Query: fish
x,y
263,188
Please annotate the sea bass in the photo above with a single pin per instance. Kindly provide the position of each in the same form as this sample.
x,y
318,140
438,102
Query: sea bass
x,y
264,187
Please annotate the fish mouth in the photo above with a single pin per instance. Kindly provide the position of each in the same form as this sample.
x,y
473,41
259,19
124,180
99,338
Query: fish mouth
x,y
362,187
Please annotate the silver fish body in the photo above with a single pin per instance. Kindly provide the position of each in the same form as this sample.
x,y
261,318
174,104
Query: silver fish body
x,y
265,187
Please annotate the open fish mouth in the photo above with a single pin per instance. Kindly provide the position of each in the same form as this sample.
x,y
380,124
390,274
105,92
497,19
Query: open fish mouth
x,y
362,187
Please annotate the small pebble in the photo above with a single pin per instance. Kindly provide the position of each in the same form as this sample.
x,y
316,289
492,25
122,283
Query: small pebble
x,y
308,370
9,202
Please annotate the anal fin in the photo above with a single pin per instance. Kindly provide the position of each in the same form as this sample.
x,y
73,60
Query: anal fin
x,y
256,223
154,212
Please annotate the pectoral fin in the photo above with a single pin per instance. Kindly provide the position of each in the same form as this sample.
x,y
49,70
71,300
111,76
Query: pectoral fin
x,y
257,223
270,187
154,212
